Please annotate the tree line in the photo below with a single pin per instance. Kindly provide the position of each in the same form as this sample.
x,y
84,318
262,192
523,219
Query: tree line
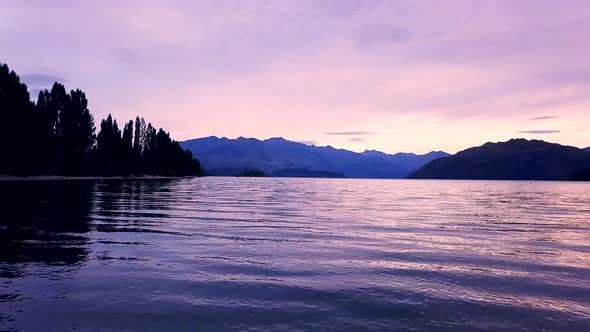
x,y
56,135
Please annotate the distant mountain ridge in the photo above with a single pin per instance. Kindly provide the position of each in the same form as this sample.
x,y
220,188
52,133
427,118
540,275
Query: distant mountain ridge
x,y
407,161
517,159
223,156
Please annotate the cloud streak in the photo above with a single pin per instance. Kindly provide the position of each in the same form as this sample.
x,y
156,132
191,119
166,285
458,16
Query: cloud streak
x,y
40,79
546,117
349,133
539,132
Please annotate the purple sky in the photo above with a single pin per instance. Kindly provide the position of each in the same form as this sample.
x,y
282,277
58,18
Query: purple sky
x,y
388,75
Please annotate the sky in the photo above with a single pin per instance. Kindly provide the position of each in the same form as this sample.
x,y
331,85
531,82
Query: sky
x,y
396,76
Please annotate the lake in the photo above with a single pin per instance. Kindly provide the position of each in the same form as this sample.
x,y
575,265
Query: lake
x,y
220,253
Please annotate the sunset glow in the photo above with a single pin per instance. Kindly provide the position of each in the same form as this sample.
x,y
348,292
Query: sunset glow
x,y
387,75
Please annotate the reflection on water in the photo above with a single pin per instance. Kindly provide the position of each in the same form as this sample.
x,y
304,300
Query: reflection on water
x,y
231,253
44,223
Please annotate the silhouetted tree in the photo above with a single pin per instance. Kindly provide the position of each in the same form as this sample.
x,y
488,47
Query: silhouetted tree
x,y
108,147
76,135
127,149
57,136
46,122
137,144
16,112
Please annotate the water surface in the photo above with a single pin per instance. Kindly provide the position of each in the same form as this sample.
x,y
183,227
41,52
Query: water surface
x,y
312,254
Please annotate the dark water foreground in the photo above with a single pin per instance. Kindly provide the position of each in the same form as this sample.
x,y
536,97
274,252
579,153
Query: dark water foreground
x,y
284,254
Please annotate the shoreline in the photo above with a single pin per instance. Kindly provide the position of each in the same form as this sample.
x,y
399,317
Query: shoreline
x,y
35,178
13,178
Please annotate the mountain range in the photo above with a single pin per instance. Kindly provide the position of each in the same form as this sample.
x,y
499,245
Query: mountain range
x,y
517,159
280,157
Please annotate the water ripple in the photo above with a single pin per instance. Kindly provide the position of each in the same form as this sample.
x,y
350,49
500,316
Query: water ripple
x,y
295,254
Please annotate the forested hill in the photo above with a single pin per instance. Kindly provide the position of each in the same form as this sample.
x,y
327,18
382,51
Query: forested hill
x,y
56,135
517,159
